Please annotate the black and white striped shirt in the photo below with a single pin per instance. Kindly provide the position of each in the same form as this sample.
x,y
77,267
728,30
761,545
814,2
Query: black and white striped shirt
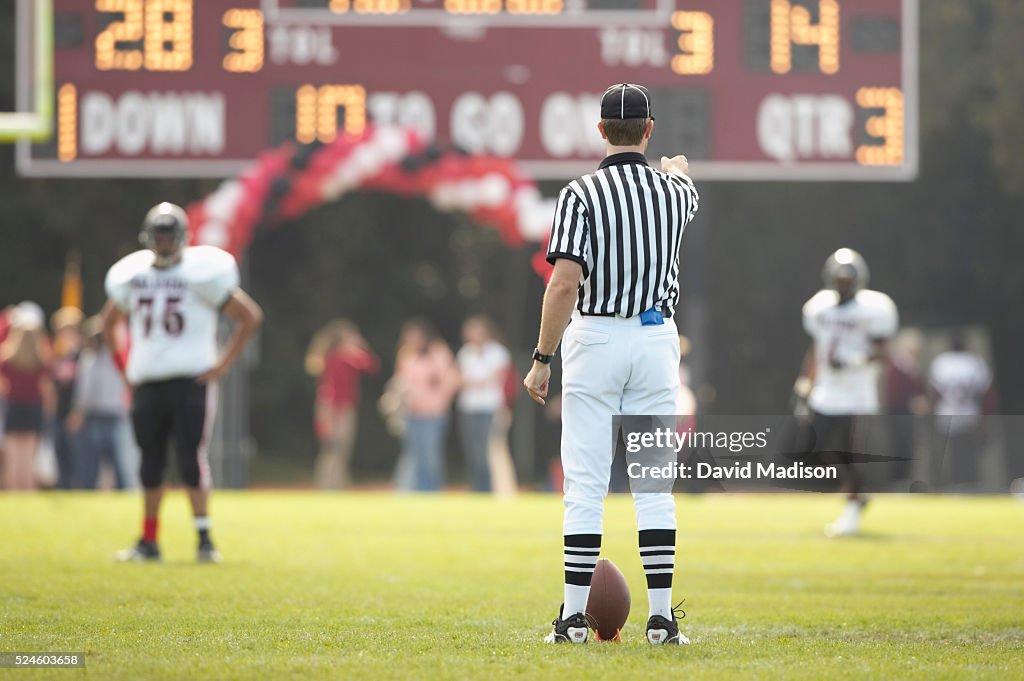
x,y
623,224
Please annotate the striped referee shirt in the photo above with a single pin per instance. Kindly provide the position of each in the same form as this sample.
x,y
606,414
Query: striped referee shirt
x,y
623,224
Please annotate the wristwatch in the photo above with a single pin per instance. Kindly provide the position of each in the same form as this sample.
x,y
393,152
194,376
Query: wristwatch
x,y
541,357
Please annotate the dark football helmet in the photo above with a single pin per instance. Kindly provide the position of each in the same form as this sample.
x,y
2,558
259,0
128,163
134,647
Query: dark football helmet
x,y
165,218
845,262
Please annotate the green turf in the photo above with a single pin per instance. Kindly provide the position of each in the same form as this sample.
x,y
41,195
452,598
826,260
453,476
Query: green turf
x,y
372,586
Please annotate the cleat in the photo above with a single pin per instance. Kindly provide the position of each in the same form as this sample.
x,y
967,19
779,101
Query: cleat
x,y
572,630
662,631
143,551
848,522
840,529
208,554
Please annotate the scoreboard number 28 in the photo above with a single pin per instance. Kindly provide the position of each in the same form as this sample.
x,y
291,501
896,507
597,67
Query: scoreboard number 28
x,y
748,89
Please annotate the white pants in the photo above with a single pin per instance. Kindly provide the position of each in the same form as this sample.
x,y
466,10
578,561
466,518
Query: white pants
x,y
612,366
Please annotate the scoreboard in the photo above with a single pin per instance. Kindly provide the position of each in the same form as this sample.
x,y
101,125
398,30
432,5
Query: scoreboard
x,y
747,89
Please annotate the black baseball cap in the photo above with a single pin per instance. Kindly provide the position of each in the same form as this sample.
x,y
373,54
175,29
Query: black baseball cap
x,y
626,100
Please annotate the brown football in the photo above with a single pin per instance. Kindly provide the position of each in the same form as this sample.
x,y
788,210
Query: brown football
x,y
609,599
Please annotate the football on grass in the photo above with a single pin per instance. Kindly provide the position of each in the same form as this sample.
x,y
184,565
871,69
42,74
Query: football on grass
x,y
609,600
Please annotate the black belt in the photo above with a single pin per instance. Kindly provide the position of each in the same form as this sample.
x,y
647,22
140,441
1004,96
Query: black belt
x,y
666,312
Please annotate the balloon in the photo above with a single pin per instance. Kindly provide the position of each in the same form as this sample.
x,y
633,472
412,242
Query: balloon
x,y
283,184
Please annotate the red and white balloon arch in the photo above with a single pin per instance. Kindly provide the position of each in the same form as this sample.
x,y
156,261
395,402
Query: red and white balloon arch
x,y
286,182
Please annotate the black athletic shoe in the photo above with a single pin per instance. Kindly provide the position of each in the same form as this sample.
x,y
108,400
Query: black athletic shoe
x,y
207,553
142,551
572,630
664,631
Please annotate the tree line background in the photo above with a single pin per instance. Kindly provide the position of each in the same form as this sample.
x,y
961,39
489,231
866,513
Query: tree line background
x,y
947,247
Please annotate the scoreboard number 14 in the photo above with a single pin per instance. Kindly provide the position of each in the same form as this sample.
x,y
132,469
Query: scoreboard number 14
x,y
748,89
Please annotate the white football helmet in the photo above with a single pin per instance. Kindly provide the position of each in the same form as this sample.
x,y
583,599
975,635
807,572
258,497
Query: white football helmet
x,y
165,216
848,262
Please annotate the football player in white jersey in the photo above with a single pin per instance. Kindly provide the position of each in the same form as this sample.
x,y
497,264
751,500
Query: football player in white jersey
x,y
850,327
172,296
960,388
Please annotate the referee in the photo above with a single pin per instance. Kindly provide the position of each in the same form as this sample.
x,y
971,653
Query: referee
x,y
615,250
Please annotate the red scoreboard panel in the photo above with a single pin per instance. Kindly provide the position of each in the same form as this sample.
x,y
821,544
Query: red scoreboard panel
x,y
747,89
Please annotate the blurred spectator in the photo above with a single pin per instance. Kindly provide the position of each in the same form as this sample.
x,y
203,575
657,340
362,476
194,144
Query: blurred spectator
x,y
5,327
960,386
338,355
686,403
127,447
686,410
904,398
99,406
67,341
27,315
29,395
5,324
426,378
483,365
503,470
548,432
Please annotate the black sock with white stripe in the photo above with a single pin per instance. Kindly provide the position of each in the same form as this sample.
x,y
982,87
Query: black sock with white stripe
x,y
581,552
658,554
202,524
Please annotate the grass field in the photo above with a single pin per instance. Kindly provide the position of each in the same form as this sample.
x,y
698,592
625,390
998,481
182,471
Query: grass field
x,y
376,586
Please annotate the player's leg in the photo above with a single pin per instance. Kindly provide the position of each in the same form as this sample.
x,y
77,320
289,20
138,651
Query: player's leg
x,y
592,379
152,425
856,431
653,390
152,495
195,407
199,498
834,438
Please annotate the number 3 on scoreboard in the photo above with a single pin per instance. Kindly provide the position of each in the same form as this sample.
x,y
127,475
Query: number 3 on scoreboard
x,y
696,43
166,42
